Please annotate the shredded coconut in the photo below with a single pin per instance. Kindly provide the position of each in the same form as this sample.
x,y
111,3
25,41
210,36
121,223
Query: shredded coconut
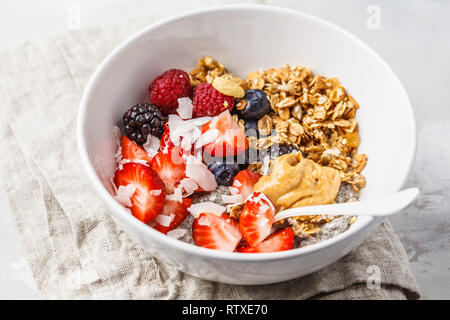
x,y
165,220
204,221
237,198
206,138
176,233
198,171
155,192
124,194
185,108
152,145
210,207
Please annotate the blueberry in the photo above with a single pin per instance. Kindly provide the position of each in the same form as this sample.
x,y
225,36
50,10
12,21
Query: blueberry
x,y
251,128
277,150
256,105
224,172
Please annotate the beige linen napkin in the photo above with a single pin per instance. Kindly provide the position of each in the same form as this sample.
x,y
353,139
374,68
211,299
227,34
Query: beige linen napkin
x,y
73,247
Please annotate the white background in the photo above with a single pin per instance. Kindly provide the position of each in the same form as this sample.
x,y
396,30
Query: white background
x,y
413,37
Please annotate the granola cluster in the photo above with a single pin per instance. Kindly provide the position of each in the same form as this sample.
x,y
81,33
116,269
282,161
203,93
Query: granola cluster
x,y
309,111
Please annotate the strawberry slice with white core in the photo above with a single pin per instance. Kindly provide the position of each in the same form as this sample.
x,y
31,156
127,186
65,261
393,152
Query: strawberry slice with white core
x,y
175,213
132,152
280,240
148,199
231,139
170,165
256,219
245,181
216,232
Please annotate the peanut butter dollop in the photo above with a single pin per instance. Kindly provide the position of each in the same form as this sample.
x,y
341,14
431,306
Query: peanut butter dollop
x,y
296,182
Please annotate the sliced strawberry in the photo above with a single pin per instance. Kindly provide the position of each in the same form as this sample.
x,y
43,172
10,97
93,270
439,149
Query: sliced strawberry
x,y
170,165
256,218
148,199
214,232
131,151
178,209
280,240
165,138
244,181
231,139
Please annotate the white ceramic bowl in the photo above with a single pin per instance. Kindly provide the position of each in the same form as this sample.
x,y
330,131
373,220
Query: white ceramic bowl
x,y
244,39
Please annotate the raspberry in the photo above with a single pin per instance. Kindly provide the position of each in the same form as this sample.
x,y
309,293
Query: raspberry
x,y
208,101
168,87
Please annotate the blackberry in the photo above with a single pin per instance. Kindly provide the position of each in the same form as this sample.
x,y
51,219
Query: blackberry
x,y
141,120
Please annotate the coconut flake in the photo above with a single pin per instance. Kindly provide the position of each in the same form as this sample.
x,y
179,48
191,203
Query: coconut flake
x,y
234,190
177,195
140,161
187,141
152,145
202,207
164,220
124,194
198,171
260,197
176,233
201,121
206,138
232,199
204,221
185,108
156,192
237,183
189,185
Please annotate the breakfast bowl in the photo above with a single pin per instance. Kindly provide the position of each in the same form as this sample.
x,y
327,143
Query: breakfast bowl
x,y
248,38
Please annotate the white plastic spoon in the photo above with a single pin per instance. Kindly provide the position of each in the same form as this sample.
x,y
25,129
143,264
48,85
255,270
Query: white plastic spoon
x,y
380,207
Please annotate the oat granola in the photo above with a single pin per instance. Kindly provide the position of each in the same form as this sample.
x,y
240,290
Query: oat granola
x,y
309,111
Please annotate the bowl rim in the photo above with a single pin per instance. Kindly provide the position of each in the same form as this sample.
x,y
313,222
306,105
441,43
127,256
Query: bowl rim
x,y
189,248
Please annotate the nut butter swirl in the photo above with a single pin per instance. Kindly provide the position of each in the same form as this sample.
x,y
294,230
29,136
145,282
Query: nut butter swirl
x,y
296,182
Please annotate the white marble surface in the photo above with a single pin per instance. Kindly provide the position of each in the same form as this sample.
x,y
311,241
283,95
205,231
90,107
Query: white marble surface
x,y
411,35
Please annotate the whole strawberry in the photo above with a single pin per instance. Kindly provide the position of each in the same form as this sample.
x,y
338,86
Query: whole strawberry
x,y
167,88
208,101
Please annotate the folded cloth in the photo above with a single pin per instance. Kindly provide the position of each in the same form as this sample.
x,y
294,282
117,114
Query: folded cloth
x,y
74,248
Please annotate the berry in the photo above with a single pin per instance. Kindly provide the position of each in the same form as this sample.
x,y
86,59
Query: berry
x,y
251,128
277,150
280,240
244,181
256,105
141,120
168,87
132,152
224,172
208,101
165,138
230,141
255,221
170,165
148,199
214,232
178,209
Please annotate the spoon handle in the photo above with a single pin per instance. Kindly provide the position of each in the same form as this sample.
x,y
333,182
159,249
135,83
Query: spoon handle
x,y
384,206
